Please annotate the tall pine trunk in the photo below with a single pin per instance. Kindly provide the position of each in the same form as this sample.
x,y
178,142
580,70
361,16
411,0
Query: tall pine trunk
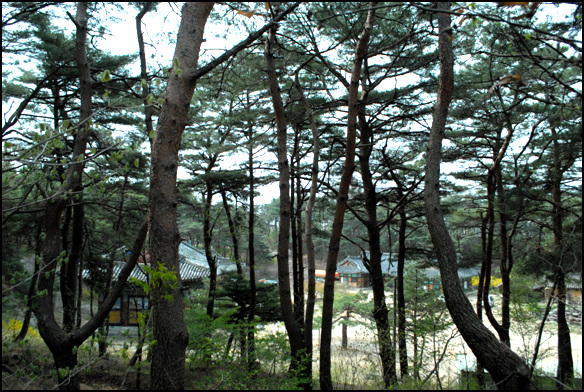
x,y
565,371
58,340
341,205
295,335
508,370
251,257
373,264
170,333
310,258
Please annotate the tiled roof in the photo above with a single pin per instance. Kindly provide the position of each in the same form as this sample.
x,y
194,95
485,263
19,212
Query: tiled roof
x,y
196,257
192,261
354,265
188,272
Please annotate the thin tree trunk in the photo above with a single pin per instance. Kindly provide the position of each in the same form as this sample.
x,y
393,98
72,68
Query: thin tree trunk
x,y
251,256
310,258
565,371
401,302
232,232
148,110
494,191
508,370
341,205
207,238
295,335
32,288
380,312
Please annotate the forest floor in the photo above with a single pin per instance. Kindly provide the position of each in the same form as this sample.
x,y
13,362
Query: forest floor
x,y
444,354
356,367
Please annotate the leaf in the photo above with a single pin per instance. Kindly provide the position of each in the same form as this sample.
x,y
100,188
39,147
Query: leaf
x,y
249,14
507,80
137,162
63,372
106,76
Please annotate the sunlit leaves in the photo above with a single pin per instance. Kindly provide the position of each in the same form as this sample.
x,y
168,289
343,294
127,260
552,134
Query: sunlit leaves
x,y
106,76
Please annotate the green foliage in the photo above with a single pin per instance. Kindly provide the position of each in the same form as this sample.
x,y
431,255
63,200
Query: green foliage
x,y
428,320
233,293
218,347
162,280
349,304
26,362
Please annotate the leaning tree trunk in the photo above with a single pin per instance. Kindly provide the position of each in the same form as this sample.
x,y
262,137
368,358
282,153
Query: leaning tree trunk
x,y
341,205
170,332
508,370
295,336
58,340
380,312
168,354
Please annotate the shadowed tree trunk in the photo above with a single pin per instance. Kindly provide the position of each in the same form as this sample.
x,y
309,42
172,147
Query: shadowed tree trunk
x,y
295,335
373,264
310,258
59,340
251,257
341,205
170,333
565,371
148,110
168,354
508,370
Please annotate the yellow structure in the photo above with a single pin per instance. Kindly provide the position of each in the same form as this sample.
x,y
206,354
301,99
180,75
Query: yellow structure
x,y
495,282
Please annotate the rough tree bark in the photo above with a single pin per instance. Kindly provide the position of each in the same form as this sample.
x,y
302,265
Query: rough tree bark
x,y
310,258
508,370
341,205
170,332
60,341
295,335
373,264
168,354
